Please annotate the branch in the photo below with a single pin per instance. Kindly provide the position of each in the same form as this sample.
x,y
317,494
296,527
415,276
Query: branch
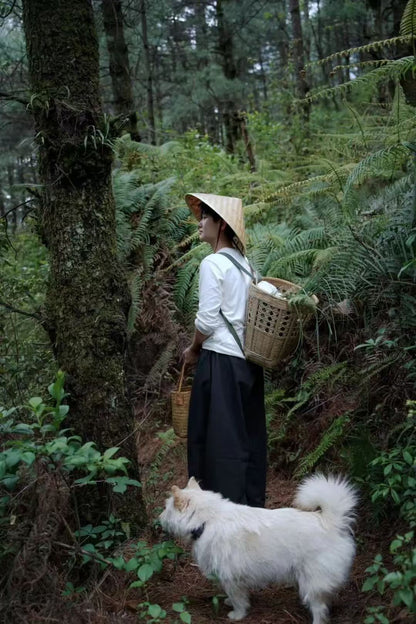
x,y
16,207
6,11
13,98
29,314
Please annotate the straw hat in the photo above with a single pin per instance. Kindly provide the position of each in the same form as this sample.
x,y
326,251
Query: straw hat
x,y
230,209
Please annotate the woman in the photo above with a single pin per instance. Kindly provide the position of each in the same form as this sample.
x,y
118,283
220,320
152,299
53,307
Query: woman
x,y
226,431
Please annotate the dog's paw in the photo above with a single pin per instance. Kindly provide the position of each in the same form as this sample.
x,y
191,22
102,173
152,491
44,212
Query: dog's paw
x,y
237,614
228,602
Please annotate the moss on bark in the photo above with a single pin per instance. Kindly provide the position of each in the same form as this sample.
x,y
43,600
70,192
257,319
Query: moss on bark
x,y
88,297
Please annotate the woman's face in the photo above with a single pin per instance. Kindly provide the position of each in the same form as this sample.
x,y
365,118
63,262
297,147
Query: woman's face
x,y
208,229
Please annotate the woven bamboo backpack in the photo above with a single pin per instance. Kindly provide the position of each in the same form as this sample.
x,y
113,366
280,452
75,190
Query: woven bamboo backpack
x,y
273,327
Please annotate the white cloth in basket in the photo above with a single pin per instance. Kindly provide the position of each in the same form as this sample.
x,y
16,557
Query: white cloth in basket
x,y
268,288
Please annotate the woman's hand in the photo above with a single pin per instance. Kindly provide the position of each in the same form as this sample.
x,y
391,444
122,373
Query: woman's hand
x,y
191,355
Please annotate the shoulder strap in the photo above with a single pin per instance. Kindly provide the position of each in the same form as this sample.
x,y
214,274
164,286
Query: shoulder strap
x,y
239,266
232,330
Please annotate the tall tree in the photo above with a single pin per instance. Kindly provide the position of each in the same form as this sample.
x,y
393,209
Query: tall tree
x,y
149,75
88,297
230,71
298,54
119,64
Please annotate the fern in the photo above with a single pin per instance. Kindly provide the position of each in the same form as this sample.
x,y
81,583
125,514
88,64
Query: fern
x,y
160,368
329,438
136,288
408,21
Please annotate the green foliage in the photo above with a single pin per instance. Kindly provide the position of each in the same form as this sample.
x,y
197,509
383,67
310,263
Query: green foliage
x,y
393,483
392,476
32,436
408,22
26,360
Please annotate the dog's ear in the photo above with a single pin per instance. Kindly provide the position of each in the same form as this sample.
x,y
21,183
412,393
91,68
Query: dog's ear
x,y
180,502
193,484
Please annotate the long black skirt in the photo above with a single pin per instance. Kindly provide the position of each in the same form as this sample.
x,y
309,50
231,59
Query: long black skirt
x,y
227,442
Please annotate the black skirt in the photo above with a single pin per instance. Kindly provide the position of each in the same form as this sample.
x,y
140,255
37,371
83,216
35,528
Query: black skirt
x,y
227,442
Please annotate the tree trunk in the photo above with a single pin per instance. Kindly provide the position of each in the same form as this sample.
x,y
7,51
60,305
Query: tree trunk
x,y
298,55
229,68
119,64
12,213
149,77
2,202
88,297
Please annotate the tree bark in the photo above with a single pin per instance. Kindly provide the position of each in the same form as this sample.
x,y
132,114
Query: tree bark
x,y
149,77
88,297
229,68
119,64
299,55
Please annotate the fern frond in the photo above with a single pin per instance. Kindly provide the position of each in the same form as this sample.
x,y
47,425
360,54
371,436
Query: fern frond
x,y
374,46
136,289
329,438
408,21
160,367
383,163
392,70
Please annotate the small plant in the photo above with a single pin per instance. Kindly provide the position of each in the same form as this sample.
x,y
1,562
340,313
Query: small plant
x,y
104,537
182,608
41,437
402,580
376,614
147,560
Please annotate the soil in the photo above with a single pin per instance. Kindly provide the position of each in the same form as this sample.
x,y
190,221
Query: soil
x,y
163,465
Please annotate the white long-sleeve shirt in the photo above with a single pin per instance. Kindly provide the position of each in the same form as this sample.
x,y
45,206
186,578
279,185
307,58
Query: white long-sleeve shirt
x,y
222,286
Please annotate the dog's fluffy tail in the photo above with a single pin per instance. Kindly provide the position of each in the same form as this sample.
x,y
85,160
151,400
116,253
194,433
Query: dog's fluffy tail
x,y
333,495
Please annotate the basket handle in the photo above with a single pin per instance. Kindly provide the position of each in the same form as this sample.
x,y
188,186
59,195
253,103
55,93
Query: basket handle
x,y
181,377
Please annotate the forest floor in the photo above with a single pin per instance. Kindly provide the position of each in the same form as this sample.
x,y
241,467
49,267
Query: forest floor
x,y
161,468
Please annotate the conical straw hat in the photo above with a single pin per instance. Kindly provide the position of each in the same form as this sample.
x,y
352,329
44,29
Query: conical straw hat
x,y
228,208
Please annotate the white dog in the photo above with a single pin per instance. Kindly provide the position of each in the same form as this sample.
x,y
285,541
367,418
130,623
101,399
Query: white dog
x,y
248,547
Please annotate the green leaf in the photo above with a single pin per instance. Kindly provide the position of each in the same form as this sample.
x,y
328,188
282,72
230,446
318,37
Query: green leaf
x,y
34,402
23,429
186,617
155,610
28,457
407,596
13,458
395,496
369,584
145,572
118,563
10,482
178,607
132,564
110,452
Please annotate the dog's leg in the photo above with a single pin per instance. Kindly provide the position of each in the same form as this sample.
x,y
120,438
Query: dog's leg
x,y
238,598
319,610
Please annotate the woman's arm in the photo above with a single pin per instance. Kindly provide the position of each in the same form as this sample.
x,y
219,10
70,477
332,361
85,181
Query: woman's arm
x,y
191,354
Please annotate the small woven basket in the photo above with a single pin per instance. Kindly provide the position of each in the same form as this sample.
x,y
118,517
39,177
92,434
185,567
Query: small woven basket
x,y
180,407
273,329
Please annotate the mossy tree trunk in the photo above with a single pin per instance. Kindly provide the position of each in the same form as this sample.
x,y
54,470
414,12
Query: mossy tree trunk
x,y
88,297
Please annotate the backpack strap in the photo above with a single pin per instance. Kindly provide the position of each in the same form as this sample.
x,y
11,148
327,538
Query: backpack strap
x,y
253,273
226,321
232,330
